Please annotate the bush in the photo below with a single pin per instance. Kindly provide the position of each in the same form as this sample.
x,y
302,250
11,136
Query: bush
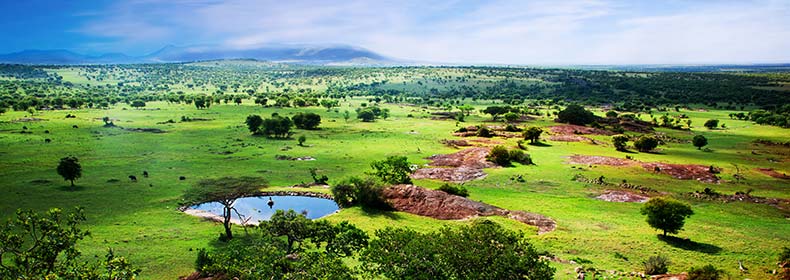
x,y
520,157
711,124
620,142
499,155
512,128
699,141
646,143
485,132
365,192
666,214
393,170
656,265
707,272
307,120
450,189
575,114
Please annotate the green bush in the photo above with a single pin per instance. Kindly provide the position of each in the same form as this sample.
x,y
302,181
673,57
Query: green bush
x,y
450,189
646,143
499,155
656,265
520,157
707,272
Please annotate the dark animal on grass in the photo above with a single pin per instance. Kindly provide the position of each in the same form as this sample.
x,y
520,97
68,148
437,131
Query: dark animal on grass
x,y
75,126
46,131
145,174
182,178
47,140
133,178
24,128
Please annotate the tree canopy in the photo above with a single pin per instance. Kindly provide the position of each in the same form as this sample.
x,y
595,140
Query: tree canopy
x,y
70,169
666,214
576,114
225,191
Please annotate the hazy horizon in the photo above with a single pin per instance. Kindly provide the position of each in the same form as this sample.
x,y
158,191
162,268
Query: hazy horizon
x,y
461,32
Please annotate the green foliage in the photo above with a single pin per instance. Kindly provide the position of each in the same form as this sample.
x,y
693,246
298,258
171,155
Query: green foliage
x,y
254,123
575,114
611,114
533,134
321,180
365,192
711,124
34,246
520,157
646,143
306,120
277,127
301,140
495,111
499,155
70,169
137,104
620,142
483,250
511,117
454,190
483,131
666,214
707,272
295,227
699,141
656,265
784,256
370,114
393,170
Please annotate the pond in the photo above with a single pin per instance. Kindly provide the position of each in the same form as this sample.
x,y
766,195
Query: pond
x,y
258,209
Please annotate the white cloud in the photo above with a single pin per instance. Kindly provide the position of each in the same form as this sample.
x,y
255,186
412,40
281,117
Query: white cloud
x,y
512,32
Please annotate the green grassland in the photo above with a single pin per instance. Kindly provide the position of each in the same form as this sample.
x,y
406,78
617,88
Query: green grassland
x,y
140,220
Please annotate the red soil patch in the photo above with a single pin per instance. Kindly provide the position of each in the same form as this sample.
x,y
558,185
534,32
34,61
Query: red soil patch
x,y
678,171
773,173
456,143
622,196
444,206
486,141
683,171
569,138
570,129
600,160
462,166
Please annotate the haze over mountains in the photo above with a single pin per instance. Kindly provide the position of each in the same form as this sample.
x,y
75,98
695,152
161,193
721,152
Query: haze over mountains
x,y
301,54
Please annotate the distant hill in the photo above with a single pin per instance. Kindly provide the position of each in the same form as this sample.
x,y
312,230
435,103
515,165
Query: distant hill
x,y
298,54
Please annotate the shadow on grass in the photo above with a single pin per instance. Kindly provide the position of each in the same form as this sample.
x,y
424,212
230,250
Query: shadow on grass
x,y
689,245
539,144
373,212
70,188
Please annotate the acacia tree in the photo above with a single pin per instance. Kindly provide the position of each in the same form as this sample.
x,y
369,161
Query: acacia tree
x,y
646,143
70,169
575,114
254,123
533,134
620,142
711,124
225,191
393,170
666,214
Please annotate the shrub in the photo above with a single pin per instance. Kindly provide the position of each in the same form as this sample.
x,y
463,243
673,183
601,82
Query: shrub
x,y
499,155
575,114
450,189
520,157
711,124
485,132
707,272
656,265
393,170
512,128
646,143
533,134
365,192
666,214
307,120
620,142
699,141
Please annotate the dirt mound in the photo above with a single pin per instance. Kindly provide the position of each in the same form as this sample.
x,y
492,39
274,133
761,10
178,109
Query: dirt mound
x,y
697,172
455,143
622,196
457,167
683,171
600,160
570,129
27,120
569,138
773,173
444,206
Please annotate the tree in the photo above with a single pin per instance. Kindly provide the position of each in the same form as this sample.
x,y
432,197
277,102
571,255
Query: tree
x,y
620,142
611,114
295,227
329,103
70,169
711,124
137,104
225,191
466,109
306,120
699,141
393,170
366,115
499,155
511,117
483,250
666,214
43,246
533,134
575,114
301,140
277,127
346,115
254,123
365,192
646,143
495,111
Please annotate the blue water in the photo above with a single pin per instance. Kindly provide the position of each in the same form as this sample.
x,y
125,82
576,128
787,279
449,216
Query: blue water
x,y
257,208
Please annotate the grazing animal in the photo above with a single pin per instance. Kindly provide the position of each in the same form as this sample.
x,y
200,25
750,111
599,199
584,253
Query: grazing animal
x,y
47,140
182,178
75,126
46,131
133,178
145,174
742,268
24,128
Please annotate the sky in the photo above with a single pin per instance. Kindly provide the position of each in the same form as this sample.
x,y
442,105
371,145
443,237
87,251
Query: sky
x,y
530,32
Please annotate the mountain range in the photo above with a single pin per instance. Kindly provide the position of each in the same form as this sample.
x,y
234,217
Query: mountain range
x,y
298,54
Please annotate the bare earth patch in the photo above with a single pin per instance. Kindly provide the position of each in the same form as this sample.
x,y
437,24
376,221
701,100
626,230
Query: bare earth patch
x,y
457,167
444,206
569,138
773,173
622,196
28,120
697,172
570,129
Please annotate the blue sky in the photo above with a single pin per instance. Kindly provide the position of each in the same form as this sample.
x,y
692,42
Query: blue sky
x,y
465,31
